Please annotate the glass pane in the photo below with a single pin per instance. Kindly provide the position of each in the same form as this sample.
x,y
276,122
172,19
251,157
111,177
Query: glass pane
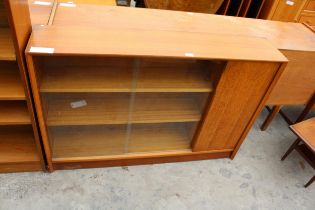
x,y
169,97
86,103
111,106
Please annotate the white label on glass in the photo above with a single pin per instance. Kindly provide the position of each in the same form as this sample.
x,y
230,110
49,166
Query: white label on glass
x,y
67,5
42,3
190,54
78,104
42,49
291,3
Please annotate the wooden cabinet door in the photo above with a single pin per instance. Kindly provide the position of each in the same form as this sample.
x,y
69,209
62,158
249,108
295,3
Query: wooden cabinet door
x,y
310,5
288,10
238,99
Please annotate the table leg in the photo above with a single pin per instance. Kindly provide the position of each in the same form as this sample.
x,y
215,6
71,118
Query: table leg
x,y
307,109
292,147
310,182
270,117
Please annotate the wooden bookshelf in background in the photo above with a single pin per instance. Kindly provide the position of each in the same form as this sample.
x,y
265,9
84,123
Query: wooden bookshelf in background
x,y
20,146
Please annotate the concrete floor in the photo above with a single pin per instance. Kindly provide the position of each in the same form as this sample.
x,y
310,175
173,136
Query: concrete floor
x,y
255,179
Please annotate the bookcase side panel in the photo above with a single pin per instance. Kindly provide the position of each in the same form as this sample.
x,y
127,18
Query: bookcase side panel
x,y
240,92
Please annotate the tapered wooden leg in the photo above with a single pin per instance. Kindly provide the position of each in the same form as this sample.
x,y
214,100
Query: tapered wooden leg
x,y
310,182
291,149
306,110
275,110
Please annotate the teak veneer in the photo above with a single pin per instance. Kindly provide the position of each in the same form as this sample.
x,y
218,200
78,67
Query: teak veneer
x,y
118,98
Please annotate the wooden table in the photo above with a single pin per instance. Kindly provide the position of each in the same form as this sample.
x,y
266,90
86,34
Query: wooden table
x,y
305,144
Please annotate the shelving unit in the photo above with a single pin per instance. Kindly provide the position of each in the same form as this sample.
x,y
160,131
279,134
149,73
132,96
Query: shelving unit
x,y
7,49
128,100
14,112
11,86
19,144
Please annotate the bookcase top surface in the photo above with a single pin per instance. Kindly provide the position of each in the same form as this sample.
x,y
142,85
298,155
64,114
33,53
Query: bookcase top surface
x,y
287,36
95,41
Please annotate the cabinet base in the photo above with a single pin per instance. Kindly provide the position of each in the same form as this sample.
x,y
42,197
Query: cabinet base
x,y
141,160
20,167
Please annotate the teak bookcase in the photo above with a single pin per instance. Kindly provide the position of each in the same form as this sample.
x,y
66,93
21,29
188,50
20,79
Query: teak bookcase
x,y
20,148
119,98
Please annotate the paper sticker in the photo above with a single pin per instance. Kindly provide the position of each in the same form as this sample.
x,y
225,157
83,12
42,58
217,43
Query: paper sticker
x,y
190,54
291,3
42,3
78,104
42,49
67,5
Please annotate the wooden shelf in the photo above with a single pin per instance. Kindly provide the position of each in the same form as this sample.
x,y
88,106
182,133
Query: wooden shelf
x,y
171,136
87,141
17,145
161,78
14,113
7,51
11,87
3,16
114,108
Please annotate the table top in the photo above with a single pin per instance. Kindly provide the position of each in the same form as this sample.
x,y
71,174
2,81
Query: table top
x,y
306,131
151,43
283,35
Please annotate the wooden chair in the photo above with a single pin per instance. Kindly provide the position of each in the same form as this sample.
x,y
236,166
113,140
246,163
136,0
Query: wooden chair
x,y
203,6
277,109
305,144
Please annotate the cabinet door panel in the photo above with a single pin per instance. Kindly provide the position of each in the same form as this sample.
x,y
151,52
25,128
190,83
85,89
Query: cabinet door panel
x,y
288,10
238,96
310,5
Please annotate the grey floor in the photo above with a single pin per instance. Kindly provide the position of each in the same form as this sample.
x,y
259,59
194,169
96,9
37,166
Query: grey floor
x,y
255,179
